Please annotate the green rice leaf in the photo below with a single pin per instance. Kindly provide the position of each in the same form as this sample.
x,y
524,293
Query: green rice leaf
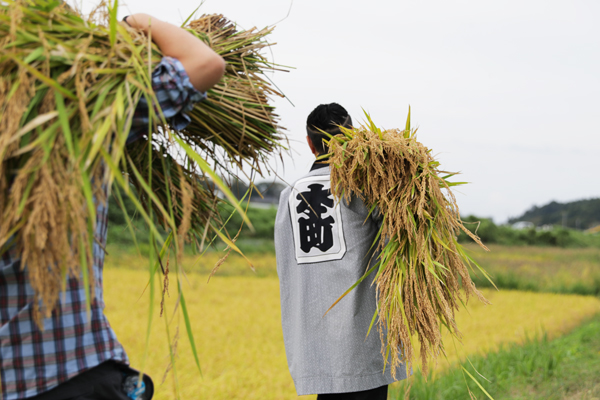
x,y
86,278
48,81
362,278
191,16
64,123
112,14
477,383
34,55
207,170
188,327
230,243
450,184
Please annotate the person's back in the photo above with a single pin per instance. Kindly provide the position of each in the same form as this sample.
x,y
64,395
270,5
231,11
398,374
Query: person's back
x,y
322,249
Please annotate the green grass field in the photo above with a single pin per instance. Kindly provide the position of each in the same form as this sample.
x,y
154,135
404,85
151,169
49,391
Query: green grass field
x,y
539,369
236,320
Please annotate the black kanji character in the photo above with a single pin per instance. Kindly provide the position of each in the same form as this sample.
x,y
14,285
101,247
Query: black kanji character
x,y
315,231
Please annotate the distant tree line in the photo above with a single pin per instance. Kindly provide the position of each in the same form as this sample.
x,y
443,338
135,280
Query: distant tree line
x,y
581,214
506,235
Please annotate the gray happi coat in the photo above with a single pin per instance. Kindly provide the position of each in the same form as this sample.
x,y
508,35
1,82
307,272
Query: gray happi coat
x,y
322,249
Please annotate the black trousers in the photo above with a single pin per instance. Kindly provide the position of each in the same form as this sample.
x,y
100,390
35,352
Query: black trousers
x,y
379,393
103,382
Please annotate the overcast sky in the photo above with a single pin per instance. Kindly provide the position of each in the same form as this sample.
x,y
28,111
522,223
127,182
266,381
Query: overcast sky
x,y
507,92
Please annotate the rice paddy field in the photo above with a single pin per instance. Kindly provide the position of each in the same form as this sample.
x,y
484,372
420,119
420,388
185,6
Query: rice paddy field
x,y
236,320
541,269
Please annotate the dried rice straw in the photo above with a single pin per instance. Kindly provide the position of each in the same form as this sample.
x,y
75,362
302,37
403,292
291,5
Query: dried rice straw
x,y
422,271
68,91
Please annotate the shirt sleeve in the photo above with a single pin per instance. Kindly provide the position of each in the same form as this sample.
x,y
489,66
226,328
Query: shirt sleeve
x,y
175,94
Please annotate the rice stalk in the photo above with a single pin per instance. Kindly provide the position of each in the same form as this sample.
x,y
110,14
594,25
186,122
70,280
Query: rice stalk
x,y
69,87
422,272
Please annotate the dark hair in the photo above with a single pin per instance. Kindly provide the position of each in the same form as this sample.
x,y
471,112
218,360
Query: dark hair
x,y
326,117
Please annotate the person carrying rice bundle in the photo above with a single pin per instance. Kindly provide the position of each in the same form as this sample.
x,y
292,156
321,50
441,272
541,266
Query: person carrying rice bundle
x,y
76,354
368,236
322,248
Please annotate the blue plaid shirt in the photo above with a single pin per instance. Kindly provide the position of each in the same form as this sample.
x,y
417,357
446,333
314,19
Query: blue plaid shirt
x,y
35,361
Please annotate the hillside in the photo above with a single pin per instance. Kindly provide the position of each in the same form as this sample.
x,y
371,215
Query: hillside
x,y
581,214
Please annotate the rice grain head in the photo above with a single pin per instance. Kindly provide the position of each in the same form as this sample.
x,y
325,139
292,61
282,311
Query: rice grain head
x,y
422,271
68,91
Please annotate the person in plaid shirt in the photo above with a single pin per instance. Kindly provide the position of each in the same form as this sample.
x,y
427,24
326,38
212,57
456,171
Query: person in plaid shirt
x,y
76,358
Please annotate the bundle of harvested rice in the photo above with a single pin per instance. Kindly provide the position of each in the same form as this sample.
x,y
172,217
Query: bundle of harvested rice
x,y
68,91
422,273
237,115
